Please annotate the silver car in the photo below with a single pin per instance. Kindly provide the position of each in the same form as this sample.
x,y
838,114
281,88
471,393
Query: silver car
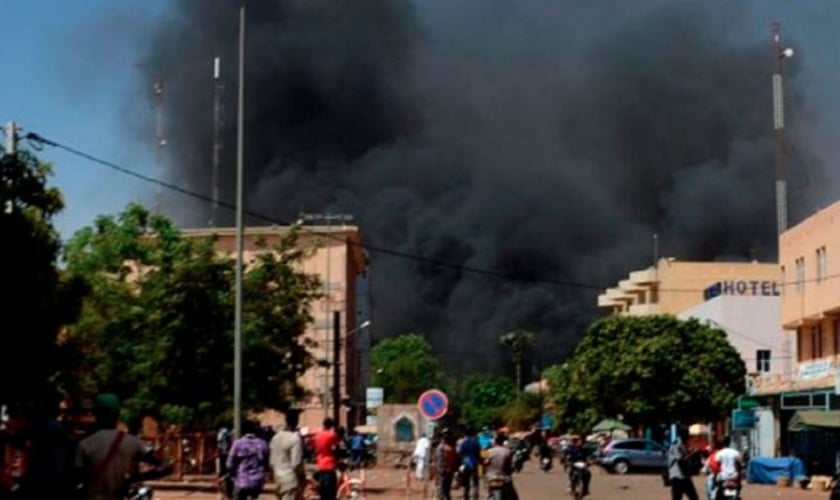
x,y
620,455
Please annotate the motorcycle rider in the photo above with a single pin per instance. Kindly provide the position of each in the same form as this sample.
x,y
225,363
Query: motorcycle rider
x,y
729,464
574,453
499,465
545,451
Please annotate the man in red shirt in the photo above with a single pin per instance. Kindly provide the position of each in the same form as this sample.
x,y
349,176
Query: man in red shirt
x,y
325,443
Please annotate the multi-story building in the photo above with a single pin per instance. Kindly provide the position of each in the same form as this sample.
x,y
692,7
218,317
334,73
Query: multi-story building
x,y
809,254
341,317
672,286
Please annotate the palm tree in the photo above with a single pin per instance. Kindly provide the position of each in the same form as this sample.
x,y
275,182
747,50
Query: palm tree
x,y
518,342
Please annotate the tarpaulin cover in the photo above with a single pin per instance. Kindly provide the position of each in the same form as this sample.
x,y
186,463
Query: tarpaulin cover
x,y
765,470
805,420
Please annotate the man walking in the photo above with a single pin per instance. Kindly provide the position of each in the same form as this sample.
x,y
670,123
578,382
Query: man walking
x,y
287,459
678,469
247,460
446,461
470,452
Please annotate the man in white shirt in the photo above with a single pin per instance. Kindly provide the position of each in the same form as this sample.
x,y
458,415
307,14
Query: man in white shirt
x,y
729,460
421,456
286,459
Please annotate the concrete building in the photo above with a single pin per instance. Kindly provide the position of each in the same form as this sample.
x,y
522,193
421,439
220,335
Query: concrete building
x,y
672,286
809,254
338,259
751,323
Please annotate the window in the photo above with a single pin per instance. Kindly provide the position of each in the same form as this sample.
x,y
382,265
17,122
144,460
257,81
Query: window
x,y
800,355
836,337
630,445
800,274
784,279
762,360
404,430
822,264
816,342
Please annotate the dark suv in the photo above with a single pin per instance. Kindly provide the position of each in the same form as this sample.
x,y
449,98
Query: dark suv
x,y
621,455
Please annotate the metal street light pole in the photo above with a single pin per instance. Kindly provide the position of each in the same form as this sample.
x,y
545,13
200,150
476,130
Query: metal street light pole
x,y
240,155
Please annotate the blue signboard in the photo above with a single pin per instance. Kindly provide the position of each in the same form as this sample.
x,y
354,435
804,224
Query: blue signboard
x,y
743,419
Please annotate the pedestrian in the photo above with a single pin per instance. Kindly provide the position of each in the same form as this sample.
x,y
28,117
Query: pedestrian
x,y
287,459
107,461
224,441
446,461
50,453
247,461
679,471
470,453
421,456
326,462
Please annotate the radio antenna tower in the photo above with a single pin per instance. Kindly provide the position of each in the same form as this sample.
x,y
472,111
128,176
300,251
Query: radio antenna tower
x,y
160,141
780,53
217,137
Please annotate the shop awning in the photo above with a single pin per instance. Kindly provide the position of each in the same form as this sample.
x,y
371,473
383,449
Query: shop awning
x,y
805,420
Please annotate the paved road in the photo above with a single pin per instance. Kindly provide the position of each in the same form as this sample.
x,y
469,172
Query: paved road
x,y
534,484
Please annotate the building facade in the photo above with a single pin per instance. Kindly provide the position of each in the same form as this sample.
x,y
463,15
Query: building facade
x,y
672,286
809,255
341,317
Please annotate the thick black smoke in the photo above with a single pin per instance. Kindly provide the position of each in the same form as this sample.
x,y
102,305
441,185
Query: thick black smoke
x,y
545,139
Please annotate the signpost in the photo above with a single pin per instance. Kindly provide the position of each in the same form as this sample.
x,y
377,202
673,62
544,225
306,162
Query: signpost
x,y
747,403
433,404
743,419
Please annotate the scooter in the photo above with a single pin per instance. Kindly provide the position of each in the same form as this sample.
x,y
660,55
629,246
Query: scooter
x,y
520,456
545,463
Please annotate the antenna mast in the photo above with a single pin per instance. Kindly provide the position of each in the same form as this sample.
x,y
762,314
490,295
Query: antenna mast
x,y
160,141
217,137
779,55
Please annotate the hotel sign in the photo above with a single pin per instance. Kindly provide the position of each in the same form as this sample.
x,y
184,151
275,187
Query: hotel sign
x,y
743,287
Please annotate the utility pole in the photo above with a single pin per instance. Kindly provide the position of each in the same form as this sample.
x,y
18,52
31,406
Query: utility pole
x,y
779,55
217,137
240,177
160,142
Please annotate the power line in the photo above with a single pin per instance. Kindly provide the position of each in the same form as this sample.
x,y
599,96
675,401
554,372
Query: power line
x,y
35,138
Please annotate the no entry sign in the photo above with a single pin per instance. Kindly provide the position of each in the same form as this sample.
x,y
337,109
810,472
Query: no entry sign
x,y
433,404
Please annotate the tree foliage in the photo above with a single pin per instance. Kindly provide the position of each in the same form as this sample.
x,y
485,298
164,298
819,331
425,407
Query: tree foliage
x,y
518,342
483,398
649,369
405,366
157,327
36,298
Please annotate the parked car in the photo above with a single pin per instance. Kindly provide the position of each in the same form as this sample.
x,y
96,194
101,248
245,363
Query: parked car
x,y
621,455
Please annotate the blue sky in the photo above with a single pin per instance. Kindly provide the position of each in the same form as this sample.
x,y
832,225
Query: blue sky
x,y
64,82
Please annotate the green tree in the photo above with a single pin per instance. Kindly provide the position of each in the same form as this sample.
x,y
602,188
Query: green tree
x,y
36,298
518,342
483,398
405,366
157,326
524,411
650,369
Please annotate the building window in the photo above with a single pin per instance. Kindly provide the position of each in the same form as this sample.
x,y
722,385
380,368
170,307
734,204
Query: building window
x,y
800,355
404,430
822,264
800,274
816,342
762,360
836,337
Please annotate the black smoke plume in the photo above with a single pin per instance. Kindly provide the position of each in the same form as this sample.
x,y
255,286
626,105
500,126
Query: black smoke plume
x,y
549,140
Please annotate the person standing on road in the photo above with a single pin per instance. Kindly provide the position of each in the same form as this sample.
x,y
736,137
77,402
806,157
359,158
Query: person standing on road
x,y
470,452
286,458
679,470
326,462
499,465
248,460
446,460
421,456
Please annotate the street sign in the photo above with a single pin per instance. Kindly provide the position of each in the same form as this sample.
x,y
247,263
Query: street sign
x,y
747,403
743,419
433,404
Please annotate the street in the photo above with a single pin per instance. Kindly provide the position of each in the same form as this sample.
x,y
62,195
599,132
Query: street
x,y
533,484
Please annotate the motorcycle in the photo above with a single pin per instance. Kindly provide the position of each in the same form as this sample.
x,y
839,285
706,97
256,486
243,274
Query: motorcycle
x,y
576,479
139,492
545,463
520,456
496,488
728,490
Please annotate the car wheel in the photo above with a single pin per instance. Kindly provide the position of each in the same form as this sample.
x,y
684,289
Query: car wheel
x,y
621,467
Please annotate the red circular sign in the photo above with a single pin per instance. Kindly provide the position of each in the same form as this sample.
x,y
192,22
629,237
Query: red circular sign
x,y
433,404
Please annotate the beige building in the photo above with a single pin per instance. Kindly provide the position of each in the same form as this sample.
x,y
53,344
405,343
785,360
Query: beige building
x,y
340,262
672,286
809,254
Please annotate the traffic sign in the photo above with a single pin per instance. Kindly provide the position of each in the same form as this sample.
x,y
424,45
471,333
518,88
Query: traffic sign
x,y
743,419
433,404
